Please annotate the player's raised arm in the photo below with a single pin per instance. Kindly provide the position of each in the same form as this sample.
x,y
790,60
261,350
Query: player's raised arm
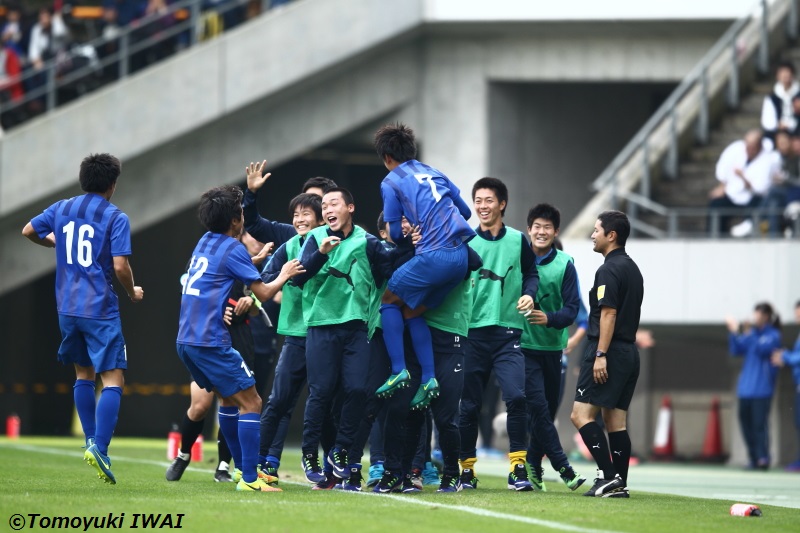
x,y
262,229
266,291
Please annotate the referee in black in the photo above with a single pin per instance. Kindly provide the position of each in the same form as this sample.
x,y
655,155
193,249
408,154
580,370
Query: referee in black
x,y
610,366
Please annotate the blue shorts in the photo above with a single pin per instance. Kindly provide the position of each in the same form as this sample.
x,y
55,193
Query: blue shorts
x,y
217,368
94,342
428,278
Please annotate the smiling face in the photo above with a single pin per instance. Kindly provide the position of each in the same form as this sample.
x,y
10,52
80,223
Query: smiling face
x,y
337,213
488,207
542,234
304,220
600,239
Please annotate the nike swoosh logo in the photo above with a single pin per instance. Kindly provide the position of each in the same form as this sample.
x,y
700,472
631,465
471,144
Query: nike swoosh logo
x,y
100,460
458,370
392,381
516,346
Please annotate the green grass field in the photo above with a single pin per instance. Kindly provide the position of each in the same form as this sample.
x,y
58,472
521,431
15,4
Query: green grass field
x,y
47,476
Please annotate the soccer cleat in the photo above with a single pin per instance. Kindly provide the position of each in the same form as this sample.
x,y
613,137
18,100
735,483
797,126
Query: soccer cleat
x,y
537,472
416,477
268,473
570,478
89,443
176,469
222,476
604,488
468,479
353,483
94,457
425,393
430,475
310,465
338,460
375,474
619,494
328,482
395,382
256,486
236,477
518,479
449,484
388,483
409,486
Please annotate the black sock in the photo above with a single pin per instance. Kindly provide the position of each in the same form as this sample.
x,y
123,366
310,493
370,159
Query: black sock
x,y
620,443
595,440
189,432
222,449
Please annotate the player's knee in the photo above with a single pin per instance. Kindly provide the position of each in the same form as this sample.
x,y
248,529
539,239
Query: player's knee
x,y
198,411
516,405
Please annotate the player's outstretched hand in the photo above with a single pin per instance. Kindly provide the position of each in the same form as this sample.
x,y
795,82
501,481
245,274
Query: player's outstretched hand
x,y
292,268
732,324
227,315
254,172
328,244
138,294
416,235
777,357
263,254
536,317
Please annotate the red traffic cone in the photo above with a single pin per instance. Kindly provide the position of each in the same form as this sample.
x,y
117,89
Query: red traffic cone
x,y
663,443
712,446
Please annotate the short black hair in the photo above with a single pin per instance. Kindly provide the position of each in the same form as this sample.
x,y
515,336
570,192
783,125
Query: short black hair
x,y
499,188
772,317
311,201
616,221
397,141
319,181
219,207
787,64
99,172
797,304
546,212
382,227
346,195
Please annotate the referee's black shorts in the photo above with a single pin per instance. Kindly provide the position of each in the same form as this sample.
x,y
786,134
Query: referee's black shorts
x,y
623,372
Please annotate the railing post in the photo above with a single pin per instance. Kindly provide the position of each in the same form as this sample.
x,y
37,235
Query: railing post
x,y
672,224
671,163
733,81
632,211
614,199
702,116
644,186
124,39
51,86
791,21
763,42
714,215
194,23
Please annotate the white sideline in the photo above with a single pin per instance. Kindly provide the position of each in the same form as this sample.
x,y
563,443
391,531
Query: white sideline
x,y
403,499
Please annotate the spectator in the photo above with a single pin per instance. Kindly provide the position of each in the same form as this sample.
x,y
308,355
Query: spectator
x,y
785,183
12,30
791,358
777,113
10,85
745,171
48,36
757,378
126,11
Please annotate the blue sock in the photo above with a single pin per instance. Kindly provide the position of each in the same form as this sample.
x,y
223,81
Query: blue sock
x,y
393,328
229,425
274,460
262,460
249,437
86,404
423,345
106,417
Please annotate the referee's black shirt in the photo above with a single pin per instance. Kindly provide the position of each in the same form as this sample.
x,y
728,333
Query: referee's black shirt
x,y
618,284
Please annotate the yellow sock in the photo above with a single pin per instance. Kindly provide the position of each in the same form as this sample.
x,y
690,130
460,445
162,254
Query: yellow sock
x,y
517,458
469,464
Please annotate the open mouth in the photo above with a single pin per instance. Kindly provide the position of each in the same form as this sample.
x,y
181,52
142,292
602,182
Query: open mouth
x,y
484,215
332,220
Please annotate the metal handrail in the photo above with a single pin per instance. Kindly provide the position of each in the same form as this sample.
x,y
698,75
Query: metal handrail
x,y
125,50
695,76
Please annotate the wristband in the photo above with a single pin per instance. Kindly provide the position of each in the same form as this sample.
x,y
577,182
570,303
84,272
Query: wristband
x,y
256,301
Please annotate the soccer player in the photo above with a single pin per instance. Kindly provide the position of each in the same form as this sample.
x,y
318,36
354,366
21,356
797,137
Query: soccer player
x,y
290,372
504,288
204,344
344,266
610,365
92,238
240,307
428,199
544,337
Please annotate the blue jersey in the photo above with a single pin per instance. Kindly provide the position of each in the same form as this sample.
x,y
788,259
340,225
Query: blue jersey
x,y
89,231
427,198
217,261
